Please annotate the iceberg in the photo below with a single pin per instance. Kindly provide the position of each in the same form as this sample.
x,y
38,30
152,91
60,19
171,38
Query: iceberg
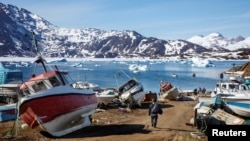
x,y
137,68
199,62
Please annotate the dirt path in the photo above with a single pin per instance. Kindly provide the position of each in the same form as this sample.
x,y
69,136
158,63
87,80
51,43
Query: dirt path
x,y
120,125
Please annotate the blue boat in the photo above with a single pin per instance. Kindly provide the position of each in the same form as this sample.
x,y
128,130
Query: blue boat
x,y
8,112
10,79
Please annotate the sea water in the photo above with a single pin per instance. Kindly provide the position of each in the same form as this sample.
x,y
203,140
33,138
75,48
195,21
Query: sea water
x,y
108,74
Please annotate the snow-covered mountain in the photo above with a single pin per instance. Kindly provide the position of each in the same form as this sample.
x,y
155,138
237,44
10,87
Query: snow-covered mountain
x,y
54,41
216,41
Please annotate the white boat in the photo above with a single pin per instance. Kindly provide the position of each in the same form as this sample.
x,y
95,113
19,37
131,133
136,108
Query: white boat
x,y
238,104
48,99
86,85
168,91
132,89
174,75
104,96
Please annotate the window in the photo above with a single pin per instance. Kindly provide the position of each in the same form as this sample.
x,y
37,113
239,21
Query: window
x,y
54,82
38,86
26,91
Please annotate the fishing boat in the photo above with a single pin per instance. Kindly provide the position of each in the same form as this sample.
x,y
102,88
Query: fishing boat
x,y
235,85
10,80
131,91
238,104
49,99
168,91
106,96
230,87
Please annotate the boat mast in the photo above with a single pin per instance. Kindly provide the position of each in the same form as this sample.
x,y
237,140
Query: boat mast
x,y
39,59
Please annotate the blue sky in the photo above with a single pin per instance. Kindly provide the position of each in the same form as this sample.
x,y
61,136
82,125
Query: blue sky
x,y
164,19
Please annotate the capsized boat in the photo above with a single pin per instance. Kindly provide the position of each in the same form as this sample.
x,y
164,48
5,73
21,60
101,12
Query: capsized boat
x,y
168,91
49,99
131,91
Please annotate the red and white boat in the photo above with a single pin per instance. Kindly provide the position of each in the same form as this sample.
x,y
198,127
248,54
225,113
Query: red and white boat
x,y
50,100
167,91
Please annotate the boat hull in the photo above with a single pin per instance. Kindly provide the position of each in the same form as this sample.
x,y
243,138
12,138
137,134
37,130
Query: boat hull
x,y
138,97
240,106
49,111
105,99
70,122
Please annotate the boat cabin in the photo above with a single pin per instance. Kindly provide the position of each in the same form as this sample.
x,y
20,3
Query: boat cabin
x,y
44,81
230,87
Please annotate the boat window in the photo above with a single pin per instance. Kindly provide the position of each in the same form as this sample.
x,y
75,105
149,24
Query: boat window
x,y
243,87
232,86
54,82
26,91
132,83
38,86
224,86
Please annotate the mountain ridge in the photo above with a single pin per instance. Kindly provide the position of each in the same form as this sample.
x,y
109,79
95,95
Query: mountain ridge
x,y
55,41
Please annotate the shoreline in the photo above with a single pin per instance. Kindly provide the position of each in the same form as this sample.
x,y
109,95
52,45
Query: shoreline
x,y
101,59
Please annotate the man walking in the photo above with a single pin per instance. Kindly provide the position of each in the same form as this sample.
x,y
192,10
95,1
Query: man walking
x,y
154,110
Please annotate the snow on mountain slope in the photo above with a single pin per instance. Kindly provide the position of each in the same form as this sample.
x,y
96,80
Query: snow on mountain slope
x,y
241,44
216,41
